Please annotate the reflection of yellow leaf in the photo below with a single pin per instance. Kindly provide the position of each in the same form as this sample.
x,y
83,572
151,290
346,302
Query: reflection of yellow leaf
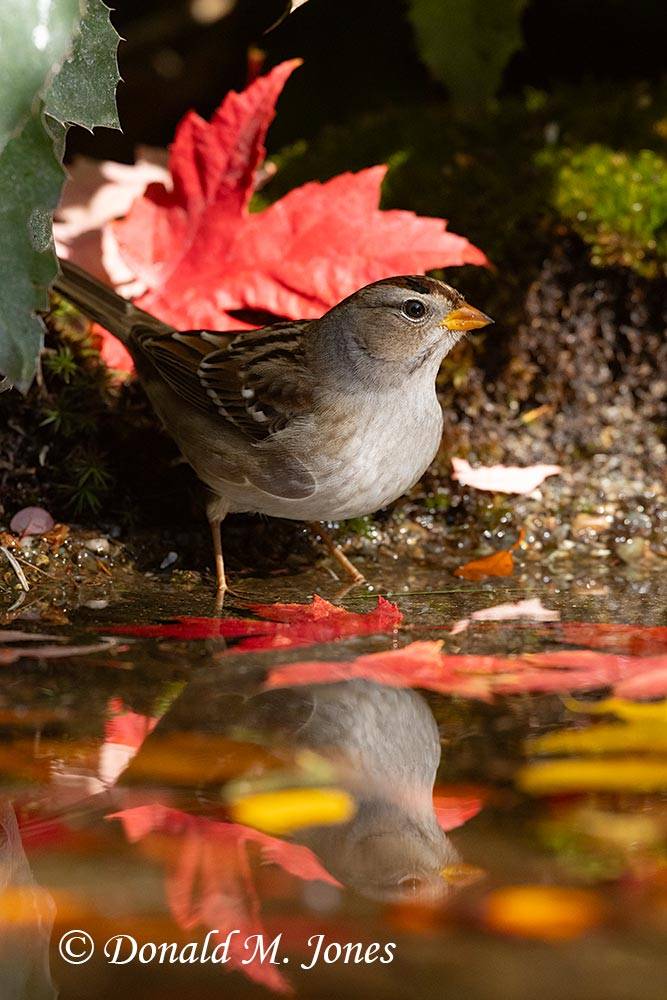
x,y
610,774
293,808
548,913
650,735
642,731
653,711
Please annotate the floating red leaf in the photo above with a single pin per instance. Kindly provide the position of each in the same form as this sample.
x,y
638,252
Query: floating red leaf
x,y
288,625
202,255
615,637
422,664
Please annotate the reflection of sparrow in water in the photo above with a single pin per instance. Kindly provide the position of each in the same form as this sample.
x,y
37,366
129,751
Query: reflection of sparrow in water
x,y
312,421
384,745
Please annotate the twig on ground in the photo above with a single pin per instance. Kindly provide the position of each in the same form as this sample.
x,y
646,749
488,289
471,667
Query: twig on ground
x,y
13,562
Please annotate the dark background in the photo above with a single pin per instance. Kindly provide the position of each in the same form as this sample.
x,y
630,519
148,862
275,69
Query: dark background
x,y
358,55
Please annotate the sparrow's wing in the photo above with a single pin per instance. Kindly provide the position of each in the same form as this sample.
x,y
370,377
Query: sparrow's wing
x,y
252,382
255,380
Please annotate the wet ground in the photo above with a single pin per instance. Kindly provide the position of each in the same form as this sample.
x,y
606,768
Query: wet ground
x,y
482,818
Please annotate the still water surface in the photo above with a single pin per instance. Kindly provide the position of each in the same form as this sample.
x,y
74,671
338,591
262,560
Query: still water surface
x,y
400,824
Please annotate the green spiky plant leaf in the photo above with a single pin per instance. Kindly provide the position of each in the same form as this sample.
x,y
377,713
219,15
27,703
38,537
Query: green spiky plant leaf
x,y
57,67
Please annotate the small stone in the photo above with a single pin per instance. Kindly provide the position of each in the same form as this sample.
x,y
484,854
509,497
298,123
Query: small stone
x,y
169,560
584,524
638,522
86,560
100,546
632,550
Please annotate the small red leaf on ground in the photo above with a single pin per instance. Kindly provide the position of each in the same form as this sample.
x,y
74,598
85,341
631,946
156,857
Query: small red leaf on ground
x,y
497,564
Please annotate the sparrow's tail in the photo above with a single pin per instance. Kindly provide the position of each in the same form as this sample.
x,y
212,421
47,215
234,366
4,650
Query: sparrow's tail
x,y
100,303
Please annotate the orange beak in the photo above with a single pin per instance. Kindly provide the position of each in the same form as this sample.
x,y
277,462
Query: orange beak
x,y
465,318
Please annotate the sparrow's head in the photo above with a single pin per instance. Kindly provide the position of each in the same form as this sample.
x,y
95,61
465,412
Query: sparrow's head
x,y
398,326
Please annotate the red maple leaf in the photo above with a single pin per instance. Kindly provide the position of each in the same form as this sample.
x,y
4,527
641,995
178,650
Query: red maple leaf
x,y
288,625
209,878
423,665
454,807
202,255
614,636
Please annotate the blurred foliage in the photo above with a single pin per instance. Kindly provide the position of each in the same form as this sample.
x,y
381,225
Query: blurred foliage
x,y
617,202
466,44
509,174
77,389
60,421
57,67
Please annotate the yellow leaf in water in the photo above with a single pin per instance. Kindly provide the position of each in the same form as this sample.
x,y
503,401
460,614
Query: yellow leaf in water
x,y
609,774
652,711
548,913
649,735
291,809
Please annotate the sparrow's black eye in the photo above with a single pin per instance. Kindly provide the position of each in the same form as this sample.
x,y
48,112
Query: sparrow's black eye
x,y
414,309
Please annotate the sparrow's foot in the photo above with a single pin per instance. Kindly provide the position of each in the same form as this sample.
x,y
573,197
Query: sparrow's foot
x,y
335,550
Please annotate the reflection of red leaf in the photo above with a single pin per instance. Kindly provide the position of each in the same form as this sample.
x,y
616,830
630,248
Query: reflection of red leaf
x,y
209,880
289,625
202,255
125,727
422,664
652,684
614,637
452,811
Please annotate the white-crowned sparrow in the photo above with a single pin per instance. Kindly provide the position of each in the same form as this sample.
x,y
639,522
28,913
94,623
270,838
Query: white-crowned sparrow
x,y
311,420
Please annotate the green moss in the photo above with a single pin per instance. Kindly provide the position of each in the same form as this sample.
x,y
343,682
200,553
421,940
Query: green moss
x,y
361,526
617,202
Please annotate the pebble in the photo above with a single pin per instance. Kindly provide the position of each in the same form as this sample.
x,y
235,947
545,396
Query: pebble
x,y
100,546
631,550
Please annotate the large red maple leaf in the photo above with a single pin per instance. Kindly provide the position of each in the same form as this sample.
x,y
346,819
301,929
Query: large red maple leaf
x,y
203,256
